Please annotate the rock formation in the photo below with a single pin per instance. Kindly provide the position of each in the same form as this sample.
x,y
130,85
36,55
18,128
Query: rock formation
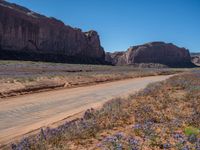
x,y
30,36
195,58
155,52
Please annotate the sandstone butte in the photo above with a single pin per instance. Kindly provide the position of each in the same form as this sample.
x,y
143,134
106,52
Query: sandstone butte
x,y
154,52
26,35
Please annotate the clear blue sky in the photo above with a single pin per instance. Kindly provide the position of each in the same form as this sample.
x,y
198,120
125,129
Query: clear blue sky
x,y
123,23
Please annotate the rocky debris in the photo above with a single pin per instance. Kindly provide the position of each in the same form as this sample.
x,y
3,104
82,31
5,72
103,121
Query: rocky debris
x,y
195,57
154,52
27,35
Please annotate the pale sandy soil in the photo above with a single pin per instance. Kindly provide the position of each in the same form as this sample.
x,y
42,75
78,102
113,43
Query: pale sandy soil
x,y
22,114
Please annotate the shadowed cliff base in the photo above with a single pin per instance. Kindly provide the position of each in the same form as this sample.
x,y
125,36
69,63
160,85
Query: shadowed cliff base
x,y
160,65
49,57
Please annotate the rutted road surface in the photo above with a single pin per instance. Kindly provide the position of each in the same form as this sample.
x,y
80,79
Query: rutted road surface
x,y
20,115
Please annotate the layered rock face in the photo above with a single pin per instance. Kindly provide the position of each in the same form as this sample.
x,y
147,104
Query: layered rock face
x,y
27,35
155,52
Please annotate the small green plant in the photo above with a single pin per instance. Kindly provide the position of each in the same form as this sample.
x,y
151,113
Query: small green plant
x,y
191,131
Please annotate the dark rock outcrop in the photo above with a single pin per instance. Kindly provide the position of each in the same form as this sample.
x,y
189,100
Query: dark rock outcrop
x,y
155,52
30,36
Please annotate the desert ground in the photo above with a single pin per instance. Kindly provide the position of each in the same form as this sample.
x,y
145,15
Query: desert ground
x,y
37,97
21,77
168,120
38,110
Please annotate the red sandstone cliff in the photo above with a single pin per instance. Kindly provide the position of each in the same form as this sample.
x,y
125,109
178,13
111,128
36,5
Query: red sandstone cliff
x,y
22,30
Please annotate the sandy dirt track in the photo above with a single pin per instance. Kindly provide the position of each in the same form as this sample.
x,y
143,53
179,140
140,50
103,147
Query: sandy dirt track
x,y
20,115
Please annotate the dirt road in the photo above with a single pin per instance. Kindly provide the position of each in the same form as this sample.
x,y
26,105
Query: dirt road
x,y
20,115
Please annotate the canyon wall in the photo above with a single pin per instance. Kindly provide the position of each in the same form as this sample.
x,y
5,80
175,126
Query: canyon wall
x,y
27,35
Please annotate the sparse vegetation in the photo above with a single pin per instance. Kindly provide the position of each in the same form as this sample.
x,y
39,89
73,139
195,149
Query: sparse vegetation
x,y
189,131
166,115
19,77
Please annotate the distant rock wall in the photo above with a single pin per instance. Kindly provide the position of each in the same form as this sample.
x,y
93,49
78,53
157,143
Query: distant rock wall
x,y
155,52
24,34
